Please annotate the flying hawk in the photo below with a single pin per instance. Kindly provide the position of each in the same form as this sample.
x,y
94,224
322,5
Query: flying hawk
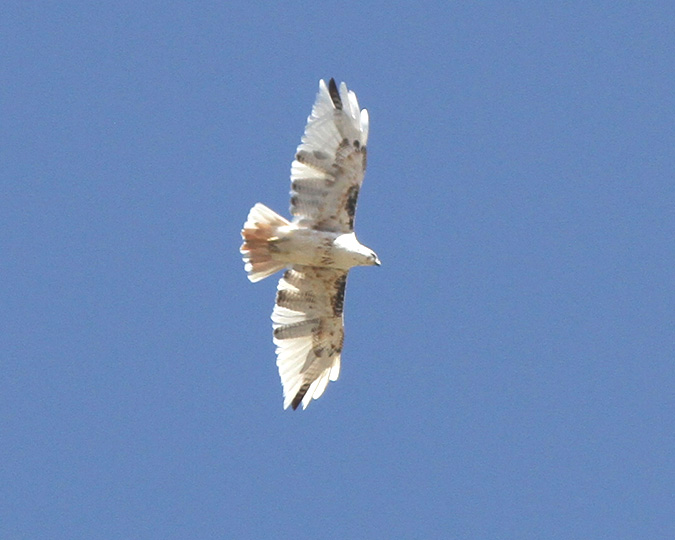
x,y
318,247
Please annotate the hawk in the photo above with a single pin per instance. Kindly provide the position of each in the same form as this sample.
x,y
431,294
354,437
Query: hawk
x,y
318,247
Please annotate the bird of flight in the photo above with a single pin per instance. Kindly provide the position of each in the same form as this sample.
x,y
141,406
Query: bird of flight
x,y
318,247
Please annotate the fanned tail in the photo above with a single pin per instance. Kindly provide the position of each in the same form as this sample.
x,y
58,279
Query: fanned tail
x,y
260,227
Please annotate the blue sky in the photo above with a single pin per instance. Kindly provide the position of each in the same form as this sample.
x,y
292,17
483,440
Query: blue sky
x,y
508,373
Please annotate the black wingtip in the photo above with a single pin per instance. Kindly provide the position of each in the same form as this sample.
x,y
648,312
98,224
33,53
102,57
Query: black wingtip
x,y
334,94
298,397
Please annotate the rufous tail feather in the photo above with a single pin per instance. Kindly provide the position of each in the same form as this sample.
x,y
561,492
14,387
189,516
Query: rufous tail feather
x,y
260,228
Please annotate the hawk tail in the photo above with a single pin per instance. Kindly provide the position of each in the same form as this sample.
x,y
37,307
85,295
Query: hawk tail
x,y
258,232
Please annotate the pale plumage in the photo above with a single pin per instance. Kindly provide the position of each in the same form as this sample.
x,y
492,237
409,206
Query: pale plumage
x,y
319,245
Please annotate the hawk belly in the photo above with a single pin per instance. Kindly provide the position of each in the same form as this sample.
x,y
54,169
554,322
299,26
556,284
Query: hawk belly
x,y
325,249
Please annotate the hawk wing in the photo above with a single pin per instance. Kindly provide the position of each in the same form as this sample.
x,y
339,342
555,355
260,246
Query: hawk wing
x,y
308,331
329,164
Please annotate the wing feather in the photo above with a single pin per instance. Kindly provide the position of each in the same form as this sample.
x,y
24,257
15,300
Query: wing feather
x,y
330,162
308,331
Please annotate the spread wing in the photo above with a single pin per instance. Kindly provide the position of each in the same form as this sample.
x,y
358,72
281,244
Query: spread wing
x,y
308,331
329,164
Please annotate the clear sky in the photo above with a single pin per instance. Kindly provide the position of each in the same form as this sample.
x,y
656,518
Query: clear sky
x,y
509,371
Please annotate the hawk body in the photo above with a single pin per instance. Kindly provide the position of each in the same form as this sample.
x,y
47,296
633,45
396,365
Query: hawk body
x,y
318,247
